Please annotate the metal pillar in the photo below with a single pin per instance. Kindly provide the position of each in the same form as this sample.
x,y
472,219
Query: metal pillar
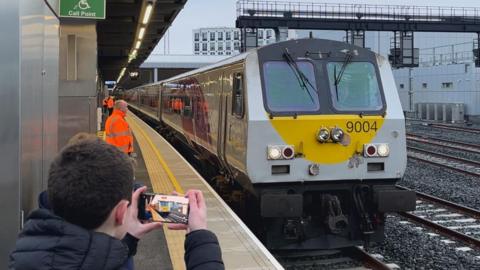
x,y
356,37
281,33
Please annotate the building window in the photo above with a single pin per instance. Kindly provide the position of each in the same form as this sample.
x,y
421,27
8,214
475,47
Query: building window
x,y
220,35
220,46
228,46
447,85
197,47
402,86
260,33
236,35
220,53
197,36
228,35
212,46
212,53
260,42
424,85
228,53
204,53
204,47
212,36
204,36
236,46
269,33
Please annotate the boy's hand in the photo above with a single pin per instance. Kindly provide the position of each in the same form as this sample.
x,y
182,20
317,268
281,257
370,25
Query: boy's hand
x,y
135,227
197,218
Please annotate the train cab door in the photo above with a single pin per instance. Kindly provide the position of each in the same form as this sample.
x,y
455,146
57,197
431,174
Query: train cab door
x,y
222,118
231,147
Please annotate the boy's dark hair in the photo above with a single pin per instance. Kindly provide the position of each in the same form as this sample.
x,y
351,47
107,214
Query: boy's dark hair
x,y
86,180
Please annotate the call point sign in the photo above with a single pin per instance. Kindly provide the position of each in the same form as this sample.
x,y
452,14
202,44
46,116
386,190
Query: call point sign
x,y
84,9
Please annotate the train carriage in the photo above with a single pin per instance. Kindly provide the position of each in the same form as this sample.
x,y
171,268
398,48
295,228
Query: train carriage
x,y
311,131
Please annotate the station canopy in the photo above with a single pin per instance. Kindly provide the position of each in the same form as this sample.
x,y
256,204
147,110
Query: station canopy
x,y
129,33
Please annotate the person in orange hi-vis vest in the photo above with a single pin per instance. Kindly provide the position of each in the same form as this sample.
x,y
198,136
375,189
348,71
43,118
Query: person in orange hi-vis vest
x,y
110,104
117,131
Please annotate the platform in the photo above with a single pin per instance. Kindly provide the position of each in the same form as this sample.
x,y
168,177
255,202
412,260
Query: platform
x,y
169,171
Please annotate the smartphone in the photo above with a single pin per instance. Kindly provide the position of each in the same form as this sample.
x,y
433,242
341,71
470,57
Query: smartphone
x,y
163,208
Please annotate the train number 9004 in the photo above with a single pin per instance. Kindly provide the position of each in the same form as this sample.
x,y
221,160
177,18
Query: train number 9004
x,y
361,126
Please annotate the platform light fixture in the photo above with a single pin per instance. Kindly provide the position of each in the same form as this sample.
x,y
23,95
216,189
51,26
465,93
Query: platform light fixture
x,y
137,45
141,33
122,72
148,13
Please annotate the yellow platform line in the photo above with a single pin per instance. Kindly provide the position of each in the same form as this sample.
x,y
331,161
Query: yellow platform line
x,y
171,176
163,181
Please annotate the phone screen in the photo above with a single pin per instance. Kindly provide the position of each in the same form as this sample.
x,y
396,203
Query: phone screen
x,y
163,208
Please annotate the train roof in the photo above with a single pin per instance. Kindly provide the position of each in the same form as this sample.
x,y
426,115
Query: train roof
x,y
244,55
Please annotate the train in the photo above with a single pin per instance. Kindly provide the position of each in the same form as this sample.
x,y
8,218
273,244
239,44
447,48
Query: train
x,y
307,135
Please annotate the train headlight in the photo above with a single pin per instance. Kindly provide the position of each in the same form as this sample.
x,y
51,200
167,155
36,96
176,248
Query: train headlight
x,y
383,150
323,135
274,152
337,134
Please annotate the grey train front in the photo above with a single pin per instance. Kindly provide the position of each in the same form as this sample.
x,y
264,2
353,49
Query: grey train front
x,y
307,135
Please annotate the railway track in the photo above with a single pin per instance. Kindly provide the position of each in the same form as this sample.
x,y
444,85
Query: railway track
x,y
467,147
347,258
462,165
452,220
457,128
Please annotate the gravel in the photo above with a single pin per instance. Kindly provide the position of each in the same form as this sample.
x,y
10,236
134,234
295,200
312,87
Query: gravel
x,y
459,136
449,185
447,151
408,246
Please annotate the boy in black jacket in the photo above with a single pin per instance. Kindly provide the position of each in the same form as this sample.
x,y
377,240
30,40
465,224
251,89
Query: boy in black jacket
x,y
90,193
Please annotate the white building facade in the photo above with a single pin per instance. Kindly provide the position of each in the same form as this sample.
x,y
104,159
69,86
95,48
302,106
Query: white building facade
x,y
225,40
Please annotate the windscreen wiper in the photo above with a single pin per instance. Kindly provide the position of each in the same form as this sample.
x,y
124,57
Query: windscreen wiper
x,y
301,77
347,60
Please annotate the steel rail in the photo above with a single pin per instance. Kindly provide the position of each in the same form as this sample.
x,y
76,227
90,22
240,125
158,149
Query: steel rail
x,y
367,259
464,129
445,166
442,229
444,203
473,148
439,228
448,157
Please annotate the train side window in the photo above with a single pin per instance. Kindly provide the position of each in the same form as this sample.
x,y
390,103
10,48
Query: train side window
x,y
238,102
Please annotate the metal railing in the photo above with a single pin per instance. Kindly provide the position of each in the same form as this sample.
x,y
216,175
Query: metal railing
x,y
304,10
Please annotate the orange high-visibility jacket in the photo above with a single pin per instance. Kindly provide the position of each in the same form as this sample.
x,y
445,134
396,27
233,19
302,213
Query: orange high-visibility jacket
x,y
118,132
110,103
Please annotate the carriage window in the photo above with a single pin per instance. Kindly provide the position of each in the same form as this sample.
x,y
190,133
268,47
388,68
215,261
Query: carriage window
x,y
355,88
238,103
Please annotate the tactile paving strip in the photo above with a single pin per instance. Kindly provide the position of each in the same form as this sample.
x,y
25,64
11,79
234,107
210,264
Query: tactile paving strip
x,y
161,183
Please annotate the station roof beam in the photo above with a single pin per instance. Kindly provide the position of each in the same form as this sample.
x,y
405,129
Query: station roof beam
x,y
120,32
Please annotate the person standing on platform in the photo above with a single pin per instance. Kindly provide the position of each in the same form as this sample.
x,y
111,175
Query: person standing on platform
x,y
117,130
110,105
105,105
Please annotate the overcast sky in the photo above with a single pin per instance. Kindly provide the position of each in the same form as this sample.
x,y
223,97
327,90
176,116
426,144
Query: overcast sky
x,y
213,13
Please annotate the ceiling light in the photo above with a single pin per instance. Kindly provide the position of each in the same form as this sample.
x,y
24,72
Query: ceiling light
x,y
141,33
148,13
137,46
